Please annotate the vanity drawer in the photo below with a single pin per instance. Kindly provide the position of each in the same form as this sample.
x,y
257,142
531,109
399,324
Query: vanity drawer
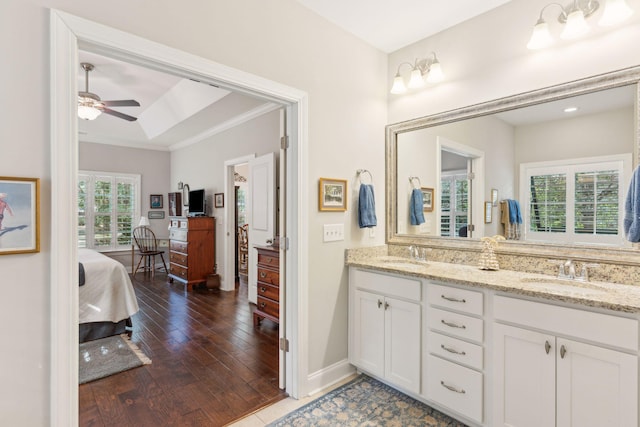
x,y
178,258
268,276
178,270
599,327
387,285
458,299
268,291
268,306
455,350
455,387
455,324
268,260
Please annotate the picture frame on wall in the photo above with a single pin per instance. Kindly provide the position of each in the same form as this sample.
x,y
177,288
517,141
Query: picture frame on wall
x,y
155,201
488,212
332,195
218,200
427,199
19,215
156,214
494,197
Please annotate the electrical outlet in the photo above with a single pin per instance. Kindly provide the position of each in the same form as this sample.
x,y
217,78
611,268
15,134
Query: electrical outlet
x,y
333,232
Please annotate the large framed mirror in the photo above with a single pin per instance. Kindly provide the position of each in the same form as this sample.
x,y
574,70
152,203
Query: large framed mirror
x,y
522,148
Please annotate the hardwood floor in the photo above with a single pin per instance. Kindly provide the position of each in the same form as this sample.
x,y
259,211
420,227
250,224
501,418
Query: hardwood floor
x,y
209,365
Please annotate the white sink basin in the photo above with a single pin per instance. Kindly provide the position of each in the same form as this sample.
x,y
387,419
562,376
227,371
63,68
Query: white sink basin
x,y
404,264
571,286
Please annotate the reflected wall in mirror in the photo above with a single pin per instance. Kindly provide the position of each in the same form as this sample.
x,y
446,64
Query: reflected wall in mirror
x,y
466,154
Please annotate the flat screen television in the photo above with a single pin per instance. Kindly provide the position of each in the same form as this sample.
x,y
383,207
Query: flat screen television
x,y
197,203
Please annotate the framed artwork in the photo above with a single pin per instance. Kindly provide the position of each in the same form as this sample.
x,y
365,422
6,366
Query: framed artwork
x,y
156,215
19,215
494,197
488,210
155,201
332,195
218,200
427,199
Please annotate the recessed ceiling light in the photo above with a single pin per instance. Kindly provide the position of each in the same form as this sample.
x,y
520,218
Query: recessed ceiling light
x,y
570,109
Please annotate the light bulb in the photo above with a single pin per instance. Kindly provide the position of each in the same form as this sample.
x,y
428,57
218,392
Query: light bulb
x,y
416,80
87,112
615,11
398,85
540,37
435,73
576,26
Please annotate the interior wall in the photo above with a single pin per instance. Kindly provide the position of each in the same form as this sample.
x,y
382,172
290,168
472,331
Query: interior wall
x,y
201,165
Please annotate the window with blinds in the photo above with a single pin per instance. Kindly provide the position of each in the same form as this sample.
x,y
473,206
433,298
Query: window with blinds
x,y
577,202
108,206
454,204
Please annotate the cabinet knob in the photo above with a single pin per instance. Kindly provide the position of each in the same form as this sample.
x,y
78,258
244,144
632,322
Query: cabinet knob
x,y
263,305
563,351
386,305
379,303
453,299
263,274
547,346
452,325
263,289
269,259
452,388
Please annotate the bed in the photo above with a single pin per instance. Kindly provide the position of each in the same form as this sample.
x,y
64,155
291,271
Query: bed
x,y
107,299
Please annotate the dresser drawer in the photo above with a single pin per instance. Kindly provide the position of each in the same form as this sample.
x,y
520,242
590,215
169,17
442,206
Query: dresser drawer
x,y
455,324
178,258
268,260
455,387
268,276
178,246
454,298
178,270
178,234
455,350
268,306
268,291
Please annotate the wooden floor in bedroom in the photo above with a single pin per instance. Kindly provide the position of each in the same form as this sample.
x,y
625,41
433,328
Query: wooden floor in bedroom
x,y
209,365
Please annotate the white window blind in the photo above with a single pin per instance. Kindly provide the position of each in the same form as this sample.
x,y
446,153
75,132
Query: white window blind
x,y
454,203
108,206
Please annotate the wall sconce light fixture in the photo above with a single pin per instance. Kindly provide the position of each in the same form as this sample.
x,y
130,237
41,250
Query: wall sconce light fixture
x,y
573,18
422,66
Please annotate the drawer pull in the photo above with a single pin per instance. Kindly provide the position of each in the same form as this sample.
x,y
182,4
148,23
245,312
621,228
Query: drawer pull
x,y
547,346
451,350
563,351
263,305
452,388
269,259
263,274
453,299
263,289
452,325
379,303
386,305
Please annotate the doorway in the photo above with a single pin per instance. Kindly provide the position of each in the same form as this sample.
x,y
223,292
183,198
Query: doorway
x,y
67,32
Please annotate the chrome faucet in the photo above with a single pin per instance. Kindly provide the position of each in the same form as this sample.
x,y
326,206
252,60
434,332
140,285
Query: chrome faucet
x,y
570,269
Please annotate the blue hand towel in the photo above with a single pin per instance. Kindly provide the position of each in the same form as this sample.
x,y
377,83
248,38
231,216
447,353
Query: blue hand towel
x,y
366,207
515,217
415,207
631,221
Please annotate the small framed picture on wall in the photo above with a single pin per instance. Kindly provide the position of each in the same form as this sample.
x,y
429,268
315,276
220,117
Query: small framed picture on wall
x,y
155,201
219,200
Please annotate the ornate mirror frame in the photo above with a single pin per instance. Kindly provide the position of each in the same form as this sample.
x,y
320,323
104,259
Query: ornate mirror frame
x,y
626,255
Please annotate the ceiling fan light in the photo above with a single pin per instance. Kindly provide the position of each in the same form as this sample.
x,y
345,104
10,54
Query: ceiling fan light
x,y
435,73
576,26
398,85
615,11
416,80
540,37
87,112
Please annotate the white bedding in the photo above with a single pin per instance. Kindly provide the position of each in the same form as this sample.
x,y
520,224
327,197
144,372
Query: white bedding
x,y
107,295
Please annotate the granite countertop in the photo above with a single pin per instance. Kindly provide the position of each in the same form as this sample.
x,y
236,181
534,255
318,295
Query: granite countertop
x,y
611,296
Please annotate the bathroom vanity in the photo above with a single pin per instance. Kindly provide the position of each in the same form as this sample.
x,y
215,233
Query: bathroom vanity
x,y
497,348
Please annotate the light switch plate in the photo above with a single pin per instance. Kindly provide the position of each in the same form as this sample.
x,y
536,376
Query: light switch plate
x,y
333,232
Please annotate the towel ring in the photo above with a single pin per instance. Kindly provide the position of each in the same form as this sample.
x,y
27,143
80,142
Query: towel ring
x,y
415,178
363,171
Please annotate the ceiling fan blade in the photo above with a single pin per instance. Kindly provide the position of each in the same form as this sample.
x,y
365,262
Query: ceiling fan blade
x,y
122,103
118,114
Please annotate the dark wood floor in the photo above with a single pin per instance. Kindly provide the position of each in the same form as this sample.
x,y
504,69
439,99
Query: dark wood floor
x,y
210,366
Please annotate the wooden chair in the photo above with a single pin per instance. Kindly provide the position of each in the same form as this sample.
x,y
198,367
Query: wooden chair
x,y
243,249
147,249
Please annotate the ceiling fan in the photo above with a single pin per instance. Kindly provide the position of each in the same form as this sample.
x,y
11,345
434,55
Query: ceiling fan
x,y
90,106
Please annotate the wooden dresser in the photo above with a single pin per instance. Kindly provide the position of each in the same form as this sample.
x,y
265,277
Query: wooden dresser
x,y
268,284
192,252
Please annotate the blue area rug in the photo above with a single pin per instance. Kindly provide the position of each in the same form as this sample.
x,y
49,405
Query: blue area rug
x,y
366,402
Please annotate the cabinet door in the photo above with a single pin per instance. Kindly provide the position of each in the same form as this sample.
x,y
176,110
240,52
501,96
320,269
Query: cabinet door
x,y
596,386
402,343
524,377
368,332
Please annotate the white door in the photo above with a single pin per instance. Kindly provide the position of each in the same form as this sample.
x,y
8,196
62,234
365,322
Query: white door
x,y
402,343
368,332
596,386
524,378
261,209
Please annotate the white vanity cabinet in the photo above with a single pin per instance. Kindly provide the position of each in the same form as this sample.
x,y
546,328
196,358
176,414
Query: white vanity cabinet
x,y
454,361
384,327
559,366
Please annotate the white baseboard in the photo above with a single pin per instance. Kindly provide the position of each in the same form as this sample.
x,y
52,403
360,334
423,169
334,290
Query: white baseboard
x,y
328,376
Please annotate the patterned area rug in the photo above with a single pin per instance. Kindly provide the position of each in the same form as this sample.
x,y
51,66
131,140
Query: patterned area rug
x,y
107,356
366,402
